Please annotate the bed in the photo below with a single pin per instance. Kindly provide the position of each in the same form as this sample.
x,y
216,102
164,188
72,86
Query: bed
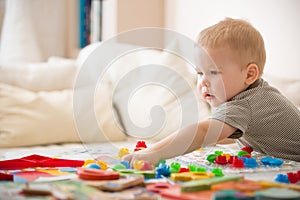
x,y
37,111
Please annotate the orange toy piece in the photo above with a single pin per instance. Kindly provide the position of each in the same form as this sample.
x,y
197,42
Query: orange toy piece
x,y
140,145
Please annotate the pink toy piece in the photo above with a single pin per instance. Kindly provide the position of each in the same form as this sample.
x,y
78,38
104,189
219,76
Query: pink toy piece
x,y
147,166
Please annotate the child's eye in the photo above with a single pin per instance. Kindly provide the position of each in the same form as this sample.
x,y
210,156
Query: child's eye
x,y
200,73
214,72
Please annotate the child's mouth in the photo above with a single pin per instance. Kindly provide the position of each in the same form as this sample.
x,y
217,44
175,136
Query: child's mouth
x,y
208,97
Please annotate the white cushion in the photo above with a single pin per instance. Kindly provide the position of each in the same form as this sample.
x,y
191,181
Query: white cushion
x,y
155,110
35,118
55,74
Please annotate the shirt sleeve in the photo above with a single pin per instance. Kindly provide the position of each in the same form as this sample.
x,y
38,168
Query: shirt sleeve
x,y
235,113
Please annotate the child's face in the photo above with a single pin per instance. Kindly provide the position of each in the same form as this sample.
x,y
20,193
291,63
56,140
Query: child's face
x,y
220,76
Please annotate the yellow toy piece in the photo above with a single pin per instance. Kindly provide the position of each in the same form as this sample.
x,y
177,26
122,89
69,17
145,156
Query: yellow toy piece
x,y
138,164
86,162
102,164
189,176
227,155
122,152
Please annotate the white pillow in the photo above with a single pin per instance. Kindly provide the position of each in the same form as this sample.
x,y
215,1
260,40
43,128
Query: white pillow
x,y
35,118
149,110
55,74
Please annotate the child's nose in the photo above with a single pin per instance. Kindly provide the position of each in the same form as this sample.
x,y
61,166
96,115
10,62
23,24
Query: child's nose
x,y
203,81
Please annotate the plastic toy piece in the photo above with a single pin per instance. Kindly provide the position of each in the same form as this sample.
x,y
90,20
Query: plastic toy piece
x,y
146,166
126,164
293,177
93,166
219,153
211,158
34,161
193,168
146,174
96,174
221,160
183,169
162,170
277,193
232,194
217,172
205,184
175,167
230,160
276,162
118,167
243,186
122,152
248,149
250,162
138,164
189,176
282,178
6,177
242,153
102,164
120,184
237,163
140,145
159,187
201,169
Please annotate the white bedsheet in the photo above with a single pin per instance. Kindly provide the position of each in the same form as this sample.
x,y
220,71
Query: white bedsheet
x,y
83,152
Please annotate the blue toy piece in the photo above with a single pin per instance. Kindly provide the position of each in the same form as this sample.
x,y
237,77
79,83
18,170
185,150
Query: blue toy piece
x,y
276,162
273,162
250,162
93,166
266,160
282,178
126,164
162,170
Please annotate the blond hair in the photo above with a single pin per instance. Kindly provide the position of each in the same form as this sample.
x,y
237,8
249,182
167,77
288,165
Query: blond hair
x,y
240,36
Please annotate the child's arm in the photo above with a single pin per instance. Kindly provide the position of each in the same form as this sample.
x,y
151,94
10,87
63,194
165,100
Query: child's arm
x,y
185,141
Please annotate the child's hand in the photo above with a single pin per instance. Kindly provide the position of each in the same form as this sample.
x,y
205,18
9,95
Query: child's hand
x,y
141,155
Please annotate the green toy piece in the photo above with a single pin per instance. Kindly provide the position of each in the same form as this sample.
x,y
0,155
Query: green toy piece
x,y
211,158
242,153
217,172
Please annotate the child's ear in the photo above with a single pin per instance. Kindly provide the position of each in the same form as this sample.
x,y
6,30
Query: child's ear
x,y
252,74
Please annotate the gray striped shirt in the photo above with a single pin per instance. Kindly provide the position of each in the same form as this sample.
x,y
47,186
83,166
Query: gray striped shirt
x,y
266,120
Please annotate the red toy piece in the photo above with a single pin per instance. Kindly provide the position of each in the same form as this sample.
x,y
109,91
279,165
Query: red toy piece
x,y
237,163
184,169
230,160
96,174
140,145
34,161
293,177
6,177
221,160
248,149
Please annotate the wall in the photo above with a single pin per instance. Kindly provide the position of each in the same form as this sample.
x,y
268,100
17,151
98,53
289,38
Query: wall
x,y
277,20
124,15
